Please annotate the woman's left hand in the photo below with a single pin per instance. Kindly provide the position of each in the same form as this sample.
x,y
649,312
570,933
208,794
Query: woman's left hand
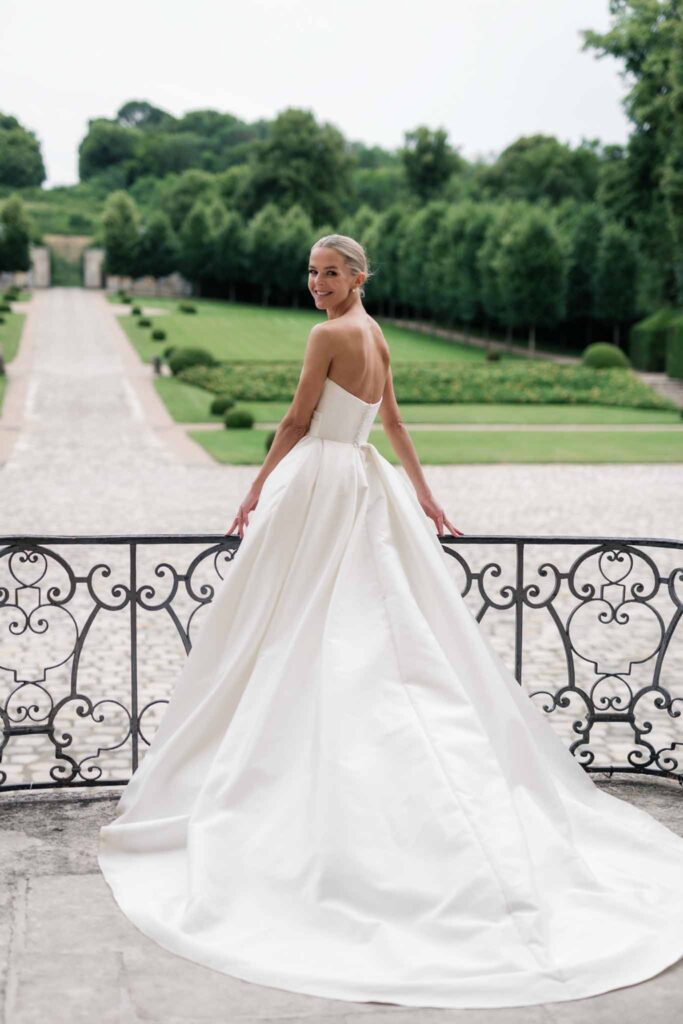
x,y
241,520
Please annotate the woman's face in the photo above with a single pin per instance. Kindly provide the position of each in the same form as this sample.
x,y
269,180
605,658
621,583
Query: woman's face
x,y
329,278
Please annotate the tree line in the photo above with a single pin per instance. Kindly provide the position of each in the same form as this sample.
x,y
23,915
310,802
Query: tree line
x,y
468,264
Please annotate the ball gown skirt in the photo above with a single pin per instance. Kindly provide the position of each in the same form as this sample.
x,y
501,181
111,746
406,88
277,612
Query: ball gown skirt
x,y
349,794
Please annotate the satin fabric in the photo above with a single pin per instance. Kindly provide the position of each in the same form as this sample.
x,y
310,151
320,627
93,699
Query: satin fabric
x,y
349,795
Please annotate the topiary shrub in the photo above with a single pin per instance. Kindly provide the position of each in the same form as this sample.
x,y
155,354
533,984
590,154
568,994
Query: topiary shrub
x,y
187,307
602,355
493,355
144,321
239,418
181,358
647,340
2,319
126,298
221,404
159,334
167,351
5,307
136,311
674,349
10,295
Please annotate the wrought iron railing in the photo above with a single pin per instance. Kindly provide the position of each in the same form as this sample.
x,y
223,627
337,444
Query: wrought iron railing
x,y
93,631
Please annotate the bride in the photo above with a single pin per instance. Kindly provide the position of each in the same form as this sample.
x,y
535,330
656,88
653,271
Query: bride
x,y
349,794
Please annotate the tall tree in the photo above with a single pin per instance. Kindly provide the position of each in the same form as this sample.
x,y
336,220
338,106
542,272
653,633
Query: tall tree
x,y
158,253
196,245
180,192
616,278
383,240
21,161
645,37
584,239
230,249
532,273
107,145
429,161
456,284
537,167
15,236
492,298
121,232
301,162
294,246
264,236
672,173
418,231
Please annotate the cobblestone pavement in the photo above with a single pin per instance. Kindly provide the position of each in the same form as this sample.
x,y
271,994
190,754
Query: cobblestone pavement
x,y
88,448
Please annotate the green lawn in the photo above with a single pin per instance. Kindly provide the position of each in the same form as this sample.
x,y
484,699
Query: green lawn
x,y
189,404
10,335
441,447
243,331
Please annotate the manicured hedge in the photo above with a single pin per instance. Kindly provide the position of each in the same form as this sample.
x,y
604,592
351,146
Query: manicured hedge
x,y
523,382
674,349
648,340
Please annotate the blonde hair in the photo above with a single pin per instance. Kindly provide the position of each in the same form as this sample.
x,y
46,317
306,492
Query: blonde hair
x,y
352,253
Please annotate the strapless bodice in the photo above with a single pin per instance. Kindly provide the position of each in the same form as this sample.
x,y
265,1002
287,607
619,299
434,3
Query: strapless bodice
x,y
342,416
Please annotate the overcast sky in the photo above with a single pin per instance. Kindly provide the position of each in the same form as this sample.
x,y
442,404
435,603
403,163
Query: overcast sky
x,y
487,71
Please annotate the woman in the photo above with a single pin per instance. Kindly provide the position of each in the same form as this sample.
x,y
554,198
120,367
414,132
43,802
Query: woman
x,y
349,794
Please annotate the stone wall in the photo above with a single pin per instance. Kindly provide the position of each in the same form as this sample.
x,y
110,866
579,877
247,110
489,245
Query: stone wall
x,y
37,277
171,286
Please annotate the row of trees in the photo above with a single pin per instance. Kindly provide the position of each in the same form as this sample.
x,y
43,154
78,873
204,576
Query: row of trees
x,y
470,264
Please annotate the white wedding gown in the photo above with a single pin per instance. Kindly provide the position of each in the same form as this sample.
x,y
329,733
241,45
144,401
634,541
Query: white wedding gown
x,y
349,794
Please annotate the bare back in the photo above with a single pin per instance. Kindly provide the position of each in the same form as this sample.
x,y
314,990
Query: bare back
x,y
360,360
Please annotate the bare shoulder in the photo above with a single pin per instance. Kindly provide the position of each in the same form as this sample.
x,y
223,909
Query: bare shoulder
x,y
322,335
379,337
320,330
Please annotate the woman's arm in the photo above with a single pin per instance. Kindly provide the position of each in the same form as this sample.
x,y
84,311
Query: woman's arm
x,y
402,443
295,423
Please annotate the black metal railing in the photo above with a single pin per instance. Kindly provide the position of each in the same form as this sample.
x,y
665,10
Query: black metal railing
x,y
93,630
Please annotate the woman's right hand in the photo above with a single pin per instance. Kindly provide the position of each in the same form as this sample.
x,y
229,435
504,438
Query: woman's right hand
x,y
431,507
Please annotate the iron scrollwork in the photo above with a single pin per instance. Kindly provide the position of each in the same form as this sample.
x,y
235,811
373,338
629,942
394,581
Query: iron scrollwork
x,y
90,646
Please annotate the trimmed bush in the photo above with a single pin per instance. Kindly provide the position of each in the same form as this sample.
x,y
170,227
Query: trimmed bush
x,y
144,321
493,355
647,340
127,299
5,307
674,348
2,319
10,295
159,334
167,351
602,355
183,358
136,311
239,419
221,404
187,307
